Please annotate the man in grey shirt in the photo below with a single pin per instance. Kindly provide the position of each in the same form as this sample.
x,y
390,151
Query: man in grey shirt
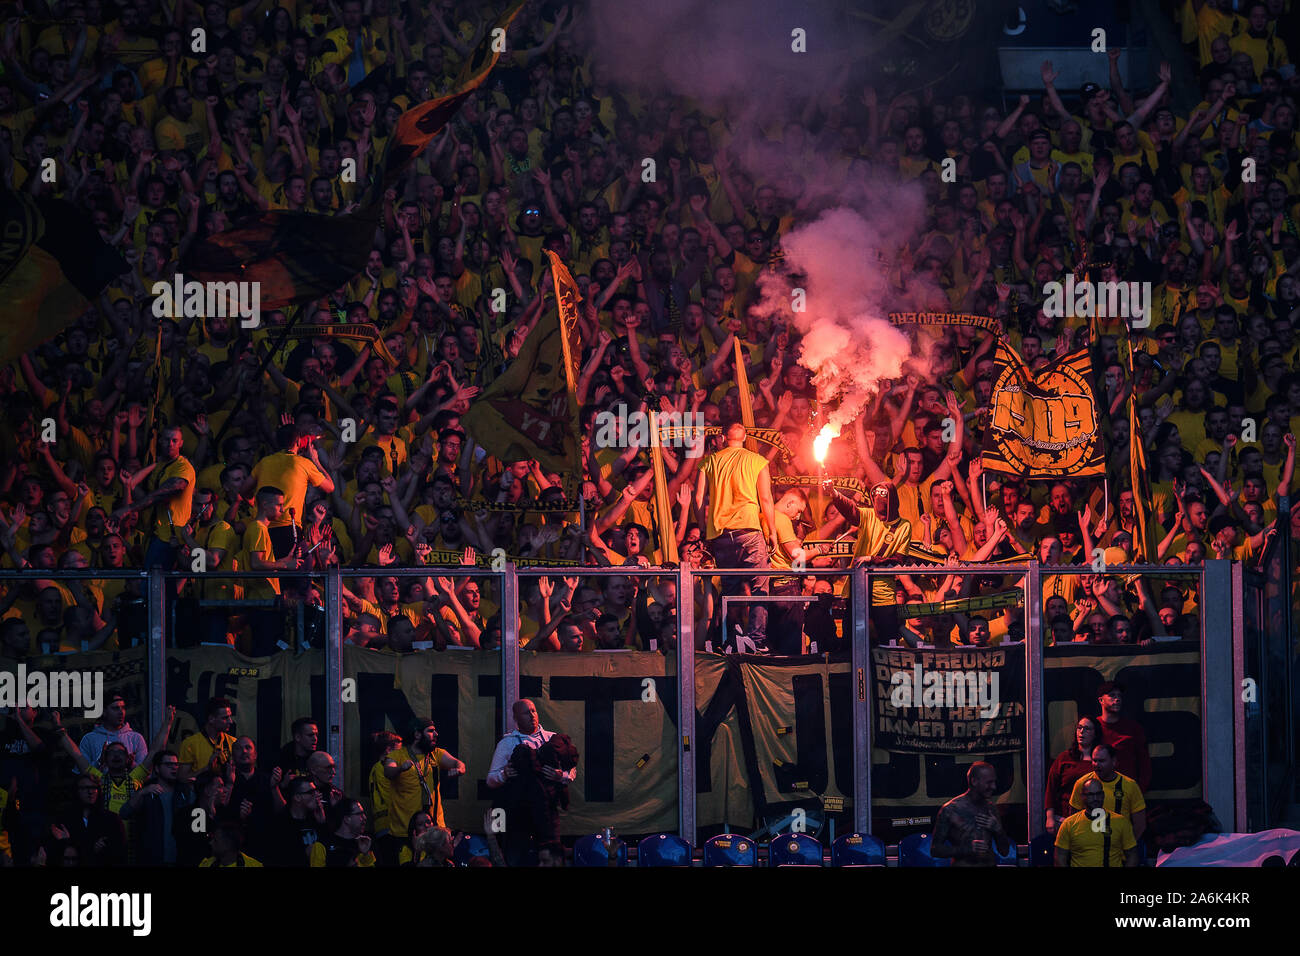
x,y
114,727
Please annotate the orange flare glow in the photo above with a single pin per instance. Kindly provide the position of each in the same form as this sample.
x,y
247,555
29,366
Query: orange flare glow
x,y
822,443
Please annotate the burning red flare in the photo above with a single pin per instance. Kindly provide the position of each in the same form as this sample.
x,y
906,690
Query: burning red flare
x,y
822,443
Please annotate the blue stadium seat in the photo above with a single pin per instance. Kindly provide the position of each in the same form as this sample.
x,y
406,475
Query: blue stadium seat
x,y
914,850
858,849
1042,850
473,845
730,849
1011,858
794,849
591,851
663,849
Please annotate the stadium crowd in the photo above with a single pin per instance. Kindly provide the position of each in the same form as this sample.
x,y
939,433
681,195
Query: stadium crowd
x,y
131,440
214,801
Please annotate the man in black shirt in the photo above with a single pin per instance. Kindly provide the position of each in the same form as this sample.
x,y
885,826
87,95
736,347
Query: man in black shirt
x,y
347,844
297,827
250,802
294,754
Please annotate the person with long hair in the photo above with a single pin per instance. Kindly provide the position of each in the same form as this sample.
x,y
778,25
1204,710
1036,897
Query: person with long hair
x,y
1068,767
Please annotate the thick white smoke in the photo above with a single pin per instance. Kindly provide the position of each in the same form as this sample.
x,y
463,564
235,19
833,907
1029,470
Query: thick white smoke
x,y
844,261
734,62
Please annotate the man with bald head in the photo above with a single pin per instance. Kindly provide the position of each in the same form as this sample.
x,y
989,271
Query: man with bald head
x,y
738,485
528,731
517,843
968,826
1095,836
320,767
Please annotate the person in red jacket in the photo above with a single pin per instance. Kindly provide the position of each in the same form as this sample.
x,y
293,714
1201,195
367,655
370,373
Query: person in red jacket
x,y
1125,736
1068,767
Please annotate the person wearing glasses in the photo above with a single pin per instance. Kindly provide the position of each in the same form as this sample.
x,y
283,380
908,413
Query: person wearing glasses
x,y
117,773
96,832
298,826
347,844
161,808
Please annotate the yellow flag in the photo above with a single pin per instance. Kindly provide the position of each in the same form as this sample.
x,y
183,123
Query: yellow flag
x,y
567,298
663,513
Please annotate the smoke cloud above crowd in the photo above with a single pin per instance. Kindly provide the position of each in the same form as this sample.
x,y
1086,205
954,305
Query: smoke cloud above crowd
x,y
743,70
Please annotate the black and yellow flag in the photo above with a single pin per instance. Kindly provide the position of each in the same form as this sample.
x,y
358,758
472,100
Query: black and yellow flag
x,y
53,262
567,298
1044,425
1146,541
665,529
417,127
530,410
300,256
295,256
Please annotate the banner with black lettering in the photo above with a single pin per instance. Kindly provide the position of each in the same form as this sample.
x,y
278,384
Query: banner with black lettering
x,y
794,735
988,323
967,700
768,734
1162,690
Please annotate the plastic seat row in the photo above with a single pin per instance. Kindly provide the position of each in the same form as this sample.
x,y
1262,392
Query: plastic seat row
x,y
731,849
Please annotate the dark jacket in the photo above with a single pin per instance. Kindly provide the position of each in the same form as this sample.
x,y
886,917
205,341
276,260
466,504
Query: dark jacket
x,y
161,839
87,827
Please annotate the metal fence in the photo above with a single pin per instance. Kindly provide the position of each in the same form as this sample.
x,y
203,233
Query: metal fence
x,y
1222,656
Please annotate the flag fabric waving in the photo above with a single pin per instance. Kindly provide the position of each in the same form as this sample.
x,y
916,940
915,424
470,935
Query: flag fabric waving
x,y
299,256
524,413
53,262
417,127
1044,425
295,256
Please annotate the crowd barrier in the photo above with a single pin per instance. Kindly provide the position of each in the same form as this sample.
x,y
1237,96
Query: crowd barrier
x,y
692,741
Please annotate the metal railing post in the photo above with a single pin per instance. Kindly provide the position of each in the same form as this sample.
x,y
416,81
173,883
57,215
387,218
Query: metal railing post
x,y
686,703
1035,717
334,667
1239,703
1218,694
860,605
509,645
157,655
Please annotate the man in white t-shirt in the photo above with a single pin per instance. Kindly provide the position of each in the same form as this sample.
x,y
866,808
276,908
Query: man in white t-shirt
x,y
530,734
